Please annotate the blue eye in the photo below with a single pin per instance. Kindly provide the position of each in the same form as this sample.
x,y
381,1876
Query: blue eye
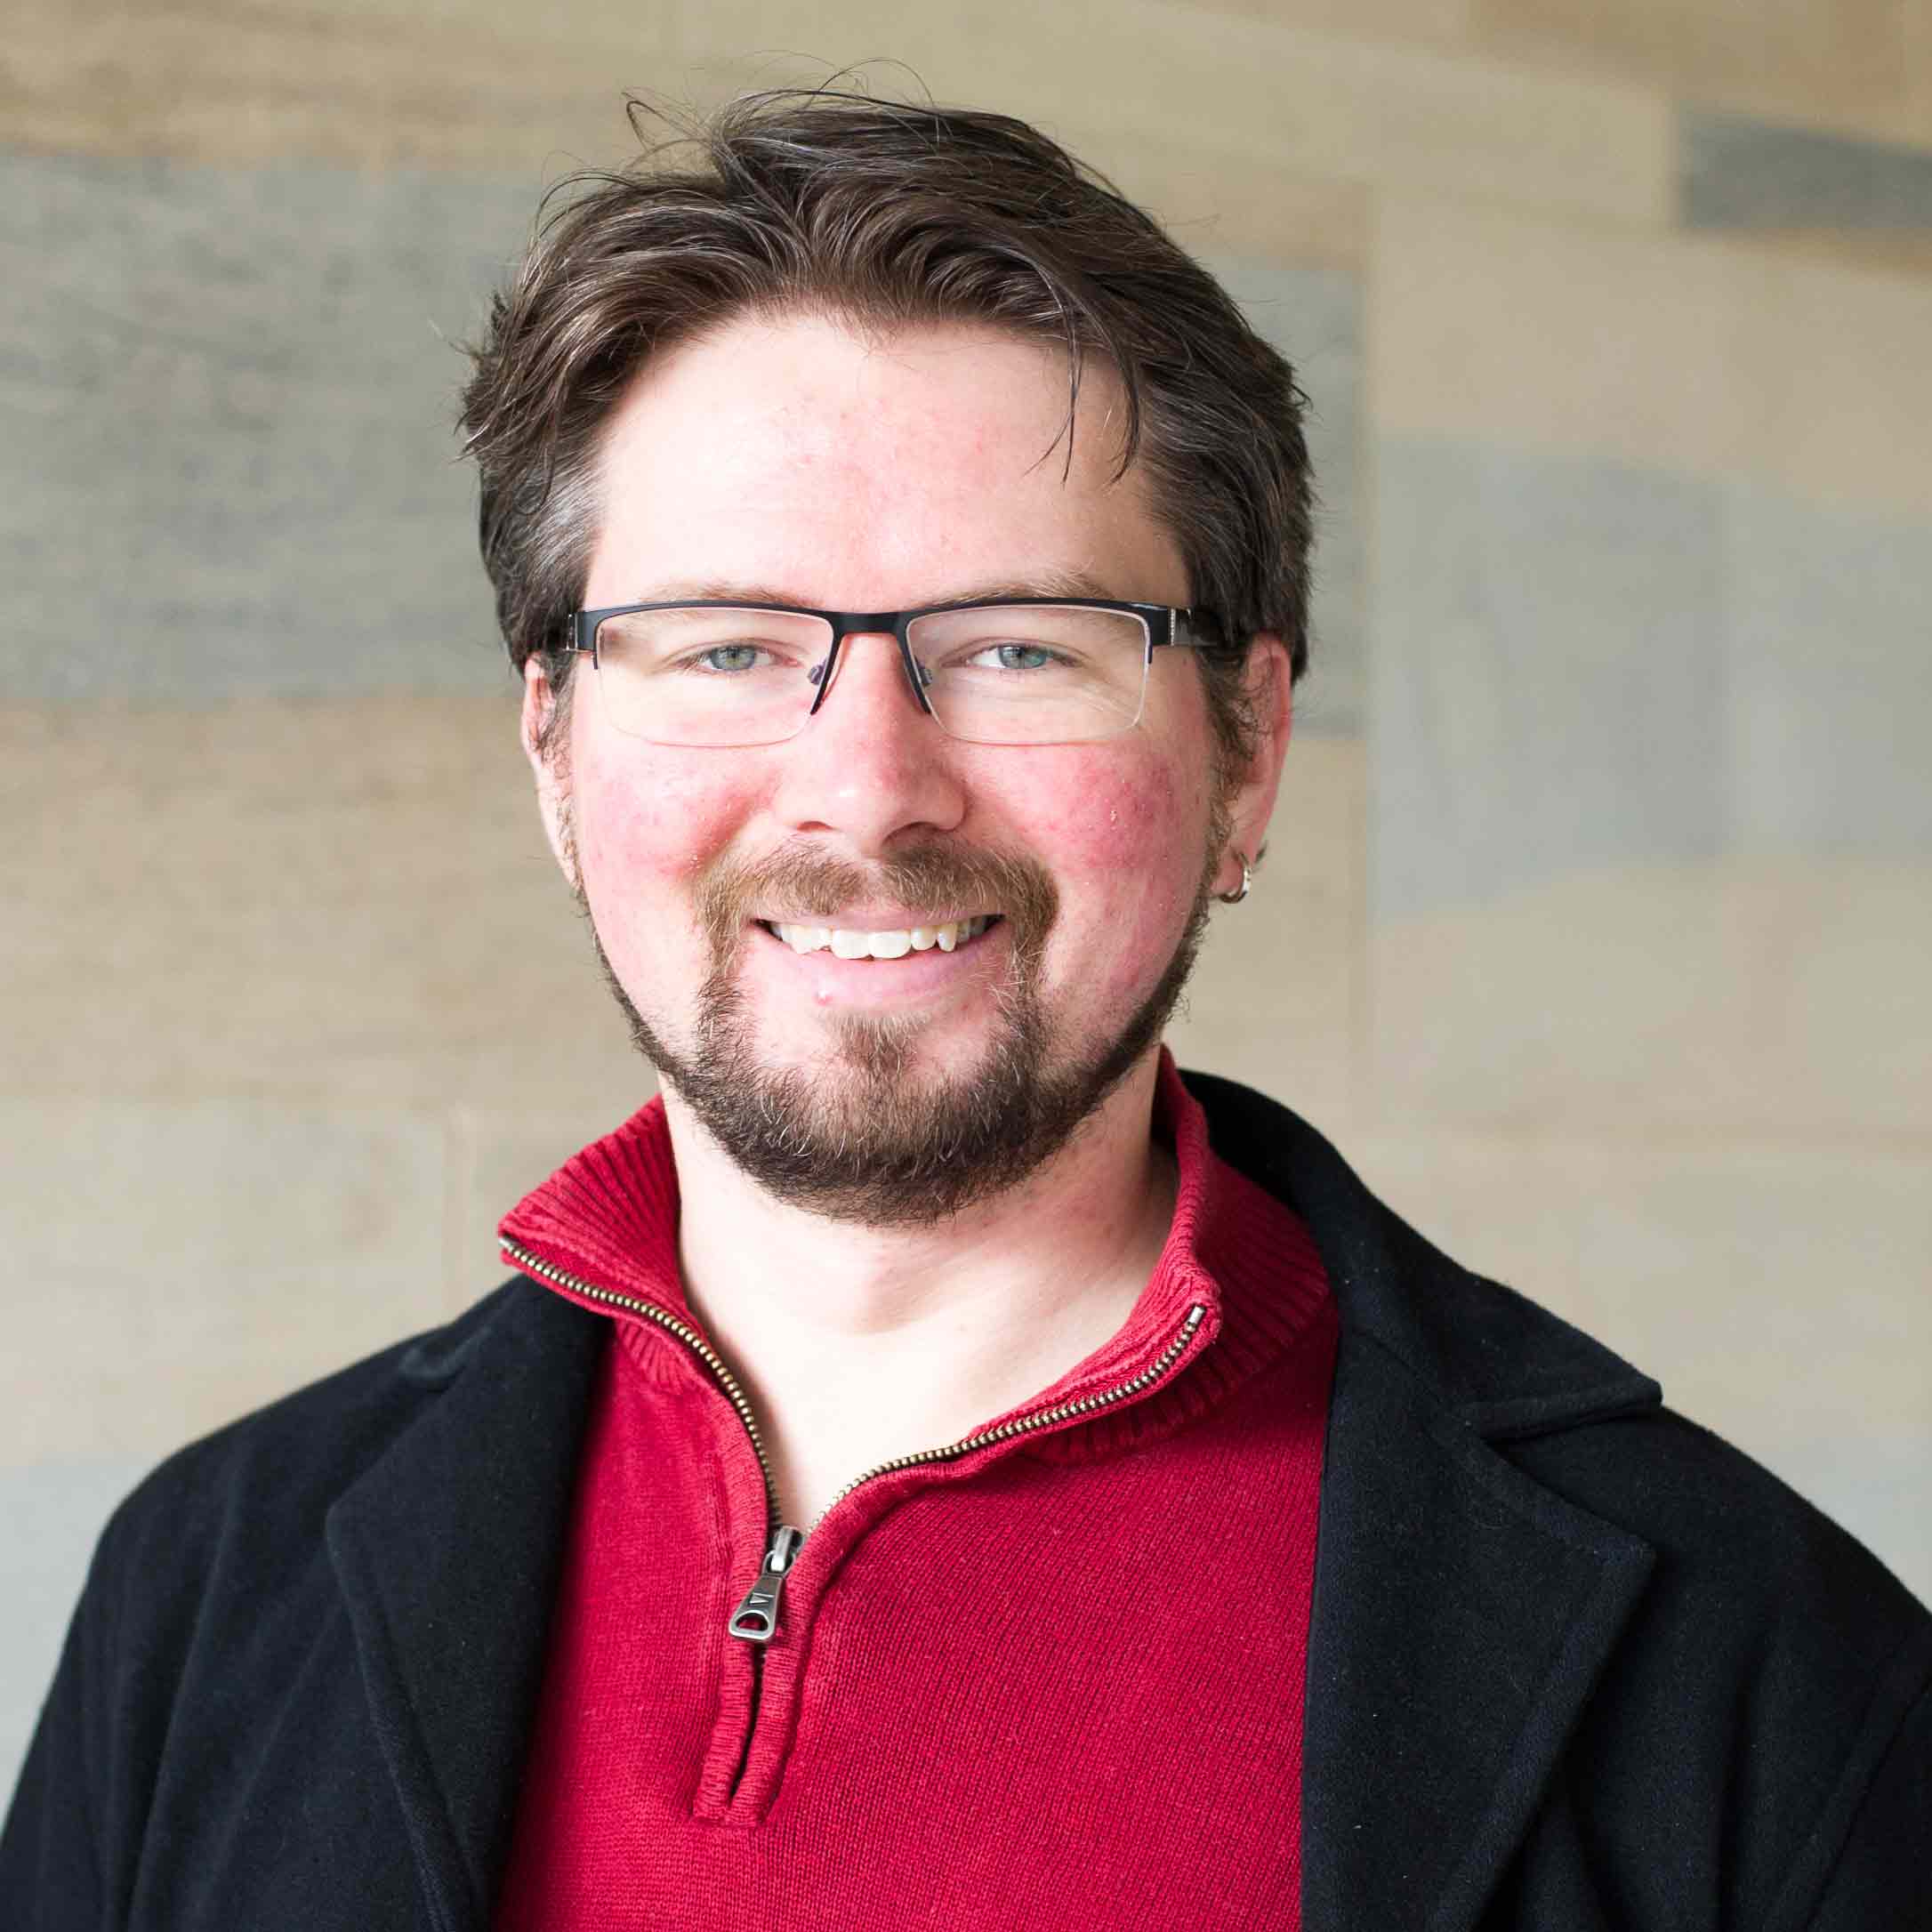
x,y
1015,656
725,658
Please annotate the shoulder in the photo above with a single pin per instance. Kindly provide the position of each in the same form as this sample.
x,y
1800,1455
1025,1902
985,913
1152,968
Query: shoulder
x,y
249,1502
1773,1680
1762,1586
1541,1392
216,1614
1768,1680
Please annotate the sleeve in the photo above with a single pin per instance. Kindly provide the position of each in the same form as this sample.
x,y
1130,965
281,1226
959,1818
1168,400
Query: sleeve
x,y
1881,1880
49,1850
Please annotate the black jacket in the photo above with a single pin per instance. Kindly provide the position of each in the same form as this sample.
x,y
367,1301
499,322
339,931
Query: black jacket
x,y
1574,1663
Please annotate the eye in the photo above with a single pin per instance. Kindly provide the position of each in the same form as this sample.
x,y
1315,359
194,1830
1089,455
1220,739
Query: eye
x,y
735,658
725,658
1014,656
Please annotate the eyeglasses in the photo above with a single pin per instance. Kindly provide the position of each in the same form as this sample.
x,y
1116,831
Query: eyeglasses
x,y
1001,670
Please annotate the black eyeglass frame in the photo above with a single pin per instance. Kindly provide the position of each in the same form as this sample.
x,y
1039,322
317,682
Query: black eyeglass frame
x,y
1164,624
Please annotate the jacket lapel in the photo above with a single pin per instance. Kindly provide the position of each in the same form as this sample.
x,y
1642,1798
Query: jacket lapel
x,y
1463,1612
450,1635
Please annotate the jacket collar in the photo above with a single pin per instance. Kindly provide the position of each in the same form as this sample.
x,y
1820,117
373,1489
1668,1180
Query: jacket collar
x,y
1462,1611
1498,1364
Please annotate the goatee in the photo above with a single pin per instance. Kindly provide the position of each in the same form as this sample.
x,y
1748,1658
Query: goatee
x,y
862,1137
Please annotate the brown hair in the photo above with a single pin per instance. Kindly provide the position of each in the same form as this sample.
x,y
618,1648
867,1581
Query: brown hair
x,y
890,214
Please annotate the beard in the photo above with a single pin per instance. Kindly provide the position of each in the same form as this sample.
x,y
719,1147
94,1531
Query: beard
x,y
860,1136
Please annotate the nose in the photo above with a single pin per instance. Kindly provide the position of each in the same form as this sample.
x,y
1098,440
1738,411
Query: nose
x,y
869,764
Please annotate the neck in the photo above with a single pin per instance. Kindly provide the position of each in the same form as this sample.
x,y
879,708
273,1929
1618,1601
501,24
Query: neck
x,y
857,1344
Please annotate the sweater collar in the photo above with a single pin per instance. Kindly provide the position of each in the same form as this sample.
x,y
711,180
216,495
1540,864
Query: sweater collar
x,y
608,1220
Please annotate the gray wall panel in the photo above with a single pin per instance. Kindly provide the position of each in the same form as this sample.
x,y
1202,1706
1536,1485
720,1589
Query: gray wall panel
x,y
1828,650
1314,317
1735,173
54,1511
1579,663
1545,693
227,462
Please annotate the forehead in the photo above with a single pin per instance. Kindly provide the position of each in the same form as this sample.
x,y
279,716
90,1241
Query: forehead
x,y
870,471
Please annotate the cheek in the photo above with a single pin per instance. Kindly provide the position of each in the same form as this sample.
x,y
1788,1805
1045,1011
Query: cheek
x,y
1129,849
1126,821
648,821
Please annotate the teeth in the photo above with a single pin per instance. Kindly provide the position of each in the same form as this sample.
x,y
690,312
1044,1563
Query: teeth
x,y
846,943
804,938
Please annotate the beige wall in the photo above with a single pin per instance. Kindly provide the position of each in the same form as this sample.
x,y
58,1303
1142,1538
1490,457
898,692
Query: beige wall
x,y
1596,924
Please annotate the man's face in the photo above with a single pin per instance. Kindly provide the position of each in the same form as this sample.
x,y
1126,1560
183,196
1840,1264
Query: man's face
x,y
797,461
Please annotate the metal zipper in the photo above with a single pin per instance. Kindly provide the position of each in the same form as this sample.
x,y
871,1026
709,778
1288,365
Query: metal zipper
x,y
534,1264
755,1620
1025,1425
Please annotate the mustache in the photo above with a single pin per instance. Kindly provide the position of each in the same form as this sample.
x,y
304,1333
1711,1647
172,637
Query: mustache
x,y
815,885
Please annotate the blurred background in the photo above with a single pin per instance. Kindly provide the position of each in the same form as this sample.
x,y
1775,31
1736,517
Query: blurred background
x,y
1597,923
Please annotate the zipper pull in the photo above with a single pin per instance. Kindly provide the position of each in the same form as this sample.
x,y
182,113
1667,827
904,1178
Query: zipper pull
x,y
756,1619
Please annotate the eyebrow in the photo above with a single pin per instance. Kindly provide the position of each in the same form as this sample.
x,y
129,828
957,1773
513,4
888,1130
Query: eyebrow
x,y
1048,586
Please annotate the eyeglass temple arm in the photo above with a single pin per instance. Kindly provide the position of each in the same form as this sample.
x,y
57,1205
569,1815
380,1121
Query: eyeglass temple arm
x,y
1185,629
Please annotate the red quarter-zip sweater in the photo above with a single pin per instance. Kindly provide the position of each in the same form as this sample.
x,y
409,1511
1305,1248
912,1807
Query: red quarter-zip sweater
x,y
1054,1679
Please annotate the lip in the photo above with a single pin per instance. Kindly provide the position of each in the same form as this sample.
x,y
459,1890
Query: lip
x,y
828,981
869,920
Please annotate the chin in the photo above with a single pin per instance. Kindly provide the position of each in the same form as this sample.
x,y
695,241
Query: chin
x,y
883,1121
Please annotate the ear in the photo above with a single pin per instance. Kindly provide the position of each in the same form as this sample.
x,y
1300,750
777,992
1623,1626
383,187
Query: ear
x,y
1252,802
550,769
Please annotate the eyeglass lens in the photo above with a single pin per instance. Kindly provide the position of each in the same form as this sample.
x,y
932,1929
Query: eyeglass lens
x,y
1024,674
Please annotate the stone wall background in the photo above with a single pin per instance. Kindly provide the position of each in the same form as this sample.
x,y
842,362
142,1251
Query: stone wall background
x,y
1598,920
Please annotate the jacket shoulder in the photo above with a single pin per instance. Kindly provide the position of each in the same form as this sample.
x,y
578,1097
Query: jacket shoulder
x,y
217,1626
1763,1569
1770,1695
211,1593
1784,1671
264,1484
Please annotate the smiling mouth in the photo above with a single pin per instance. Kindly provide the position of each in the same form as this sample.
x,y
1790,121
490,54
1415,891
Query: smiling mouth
x,y
891,942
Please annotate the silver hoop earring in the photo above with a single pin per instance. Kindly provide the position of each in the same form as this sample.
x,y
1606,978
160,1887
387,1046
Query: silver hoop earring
x,y
1241,891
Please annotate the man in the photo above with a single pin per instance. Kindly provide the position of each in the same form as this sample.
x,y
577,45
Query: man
x,y
938,1467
